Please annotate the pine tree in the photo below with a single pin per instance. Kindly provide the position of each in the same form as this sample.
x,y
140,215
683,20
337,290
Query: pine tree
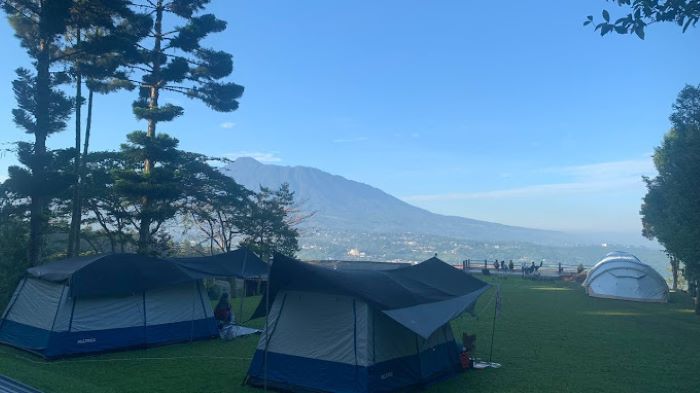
x,y
41,110
180,181
103,34
174,61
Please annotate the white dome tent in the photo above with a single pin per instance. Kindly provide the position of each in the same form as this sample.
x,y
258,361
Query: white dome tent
x,y
622,276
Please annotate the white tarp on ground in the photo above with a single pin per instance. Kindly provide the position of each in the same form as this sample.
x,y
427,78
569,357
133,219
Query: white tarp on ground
x,y
623,276
229,332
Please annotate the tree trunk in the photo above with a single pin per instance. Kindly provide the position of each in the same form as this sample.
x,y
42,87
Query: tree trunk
x,y
38,218
144,244
74,231
145,224
674,272
155,78
83,170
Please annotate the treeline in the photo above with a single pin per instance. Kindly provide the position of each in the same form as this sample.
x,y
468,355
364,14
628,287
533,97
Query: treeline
x,y
149,196
671,208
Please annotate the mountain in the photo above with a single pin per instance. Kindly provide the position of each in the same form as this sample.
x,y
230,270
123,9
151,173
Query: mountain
x,y
349,206
353,220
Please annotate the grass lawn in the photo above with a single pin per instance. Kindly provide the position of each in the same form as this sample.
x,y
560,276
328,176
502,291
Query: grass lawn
x,y
549,338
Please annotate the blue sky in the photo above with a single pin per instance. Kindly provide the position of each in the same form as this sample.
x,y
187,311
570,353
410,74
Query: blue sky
x,y
505,111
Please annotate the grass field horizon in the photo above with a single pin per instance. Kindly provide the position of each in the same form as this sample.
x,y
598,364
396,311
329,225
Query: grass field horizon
x,y
550,337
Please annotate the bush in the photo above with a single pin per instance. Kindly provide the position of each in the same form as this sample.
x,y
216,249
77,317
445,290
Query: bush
x,y
13,257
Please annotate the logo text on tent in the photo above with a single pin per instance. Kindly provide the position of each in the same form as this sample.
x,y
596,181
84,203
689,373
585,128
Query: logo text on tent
x,y
87,340
387,375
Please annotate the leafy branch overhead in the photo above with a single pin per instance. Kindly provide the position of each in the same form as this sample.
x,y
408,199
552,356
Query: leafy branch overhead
x,y
642,13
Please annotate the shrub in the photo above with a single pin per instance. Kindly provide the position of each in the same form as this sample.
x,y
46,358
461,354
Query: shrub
x,y
13,257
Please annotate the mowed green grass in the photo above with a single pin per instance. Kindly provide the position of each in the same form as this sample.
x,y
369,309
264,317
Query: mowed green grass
x,y
550,337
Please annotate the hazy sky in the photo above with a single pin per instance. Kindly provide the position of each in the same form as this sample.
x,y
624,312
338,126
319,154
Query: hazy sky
x,y
507,111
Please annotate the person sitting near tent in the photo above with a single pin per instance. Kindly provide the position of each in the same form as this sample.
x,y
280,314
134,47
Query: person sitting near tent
x,y
222,312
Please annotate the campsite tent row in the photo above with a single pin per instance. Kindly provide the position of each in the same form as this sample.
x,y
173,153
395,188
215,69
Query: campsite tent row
x,y
328,329
117,301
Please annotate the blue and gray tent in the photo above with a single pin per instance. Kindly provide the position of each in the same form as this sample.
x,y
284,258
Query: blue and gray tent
x,y
112,302
353,331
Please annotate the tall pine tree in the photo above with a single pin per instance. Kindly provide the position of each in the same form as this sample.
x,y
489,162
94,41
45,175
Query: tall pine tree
x,y
103,36
173,61
42,110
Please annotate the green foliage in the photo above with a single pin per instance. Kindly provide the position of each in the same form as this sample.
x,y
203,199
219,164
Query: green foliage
x,y
220,209
13,245
35,21
684,13
271,226
101,38
53,182
25,115
42,109
671,208
177,62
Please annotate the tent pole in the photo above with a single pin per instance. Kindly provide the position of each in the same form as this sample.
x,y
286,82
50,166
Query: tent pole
x,y
72,311
267,333
493,326
194,305
55,316
354,336
145,323
244,276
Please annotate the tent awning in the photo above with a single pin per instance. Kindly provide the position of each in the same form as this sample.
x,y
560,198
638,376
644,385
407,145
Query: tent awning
x,y
241,263
421,297
425,319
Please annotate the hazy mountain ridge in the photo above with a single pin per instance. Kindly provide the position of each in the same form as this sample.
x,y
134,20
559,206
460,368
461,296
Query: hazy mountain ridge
x,y
342,204
357,221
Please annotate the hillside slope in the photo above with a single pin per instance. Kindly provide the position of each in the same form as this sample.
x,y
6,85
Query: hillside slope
x,y
346,205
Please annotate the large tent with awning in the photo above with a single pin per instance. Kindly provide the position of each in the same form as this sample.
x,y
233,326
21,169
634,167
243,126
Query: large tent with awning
x,y
360,330
103,303
116,301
